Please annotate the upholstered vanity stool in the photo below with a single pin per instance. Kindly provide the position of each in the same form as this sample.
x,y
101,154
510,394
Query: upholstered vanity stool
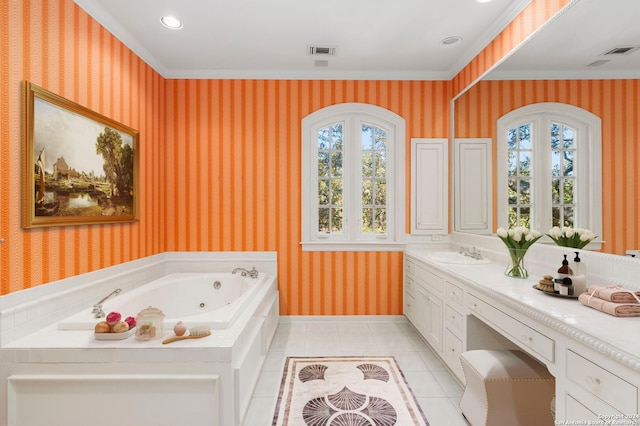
x,y
506,387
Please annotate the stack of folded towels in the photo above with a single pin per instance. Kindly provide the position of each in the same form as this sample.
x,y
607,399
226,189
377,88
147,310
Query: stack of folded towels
x,y
613,300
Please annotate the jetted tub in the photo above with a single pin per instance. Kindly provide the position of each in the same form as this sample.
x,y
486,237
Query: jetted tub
x,y
212,299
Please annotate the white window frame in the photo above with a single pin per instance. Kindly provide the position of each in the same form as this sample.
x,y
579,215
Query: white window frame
x,y
352,115
588,164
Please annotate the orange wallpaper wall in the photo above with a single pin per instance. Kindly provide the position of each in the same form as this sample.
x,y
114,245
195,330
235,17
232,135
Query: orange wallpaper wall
x,y
616,102
232,175
219,165
55,45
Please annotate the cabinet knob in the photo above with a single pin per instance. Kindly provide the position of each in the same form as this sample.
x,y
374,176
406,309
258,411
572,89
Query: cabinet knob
x,y
593,381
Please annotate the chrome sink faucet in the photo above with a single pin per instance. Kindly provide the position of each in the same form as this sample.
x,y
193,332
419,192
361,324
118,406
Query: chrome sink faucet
x,y
97,308
253,273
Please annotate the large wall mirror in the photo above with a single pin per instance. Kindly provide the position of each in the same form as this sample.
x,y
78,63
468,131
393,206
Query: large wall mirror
x,y
589,57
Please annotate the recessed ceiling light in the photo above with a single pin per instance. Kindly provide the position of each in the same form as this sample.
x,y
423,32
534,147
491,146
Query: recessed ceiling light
x,y
483,1
450,42
171,22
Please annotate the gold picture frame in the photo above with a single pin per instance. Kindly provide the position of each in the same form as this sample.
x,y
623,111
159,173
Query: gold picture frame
x,y
79,167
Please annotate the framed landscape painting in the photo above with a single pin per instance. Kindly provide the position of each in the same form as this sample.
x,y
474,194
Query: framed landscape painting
x,y
79,168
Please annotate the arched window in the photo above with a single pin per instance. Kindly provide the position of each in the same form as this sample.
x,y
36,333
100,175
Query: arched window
x,y
353,195
549,168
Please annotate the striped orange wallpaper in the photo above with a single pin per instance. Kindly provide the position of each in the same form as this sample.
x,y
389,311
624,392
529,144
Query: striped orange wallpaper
x,y
220,166
616,102
55,45
232,175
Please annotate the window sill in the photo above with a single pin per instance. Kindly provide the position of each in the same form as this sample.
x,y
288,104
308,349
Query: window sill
x,y
352,246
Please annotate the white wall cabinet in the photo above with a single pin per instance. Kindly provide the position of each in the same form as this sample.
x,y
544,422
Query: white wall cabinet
x,y
473,188
429,186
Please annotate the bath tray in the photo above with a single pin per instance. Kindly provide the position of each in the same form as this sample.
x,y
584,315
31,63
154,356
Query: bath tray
x,y
115,336
555,294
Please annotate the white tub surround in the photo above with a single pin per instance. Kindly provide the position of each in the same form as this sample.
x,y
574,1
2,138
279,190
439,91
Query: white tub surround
x,y
75,379
594,357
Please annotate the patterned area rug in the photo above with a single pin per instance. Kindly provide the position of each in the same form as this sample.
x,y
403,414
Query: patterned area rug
x,y
346,391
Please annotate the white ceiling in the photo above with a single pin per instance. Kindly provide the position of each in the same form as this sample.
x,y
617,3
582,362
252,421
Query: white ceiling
x,y
375,39
577,38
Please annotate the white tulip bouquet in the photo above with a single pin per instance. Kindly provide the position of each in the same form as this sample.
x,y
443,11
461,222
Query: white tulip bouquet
x,y
518,240
571,237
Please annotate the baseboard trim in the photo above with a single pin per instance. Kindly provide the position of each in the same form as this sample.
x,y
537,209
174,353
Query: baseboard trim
x,y
342,319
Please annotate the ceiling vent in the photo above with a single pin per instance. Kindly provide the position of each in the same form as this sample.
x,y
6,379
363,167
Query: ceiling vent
x,y
322,50
598,62
622,50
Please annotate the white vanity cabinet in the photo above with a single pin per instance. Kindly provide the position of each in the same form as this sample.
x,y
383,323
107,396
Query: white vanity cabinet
x,y
423,301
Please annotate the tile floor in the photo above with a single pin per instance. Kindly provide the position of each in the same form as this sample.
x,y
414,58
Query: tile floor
x,y
434,387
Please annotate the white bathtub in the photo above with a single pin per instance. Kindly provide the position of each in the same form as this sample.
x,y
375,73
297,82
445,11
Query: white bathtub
x,y
212,299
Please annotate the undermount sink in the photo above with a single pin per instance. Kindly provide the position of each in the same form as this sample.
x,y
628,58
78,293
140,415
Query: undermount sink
x,y
456,258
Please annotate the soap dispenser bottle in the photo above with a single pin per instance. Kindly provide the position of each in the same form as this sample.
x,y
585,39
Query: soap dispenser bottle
x,y
563,272
580,272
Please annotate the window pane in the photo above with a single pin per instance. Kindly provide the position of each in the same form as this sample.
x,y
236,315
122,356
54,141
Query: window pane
x,y
555,163
380,139
323,164
568,163
569,218
525,217
367,137
381,164
367,220
381,192
336,163
525,136
323,138
367,192
525,191
555,136
336,136
555,217
323,192
555,191
512,139
568,136
513,169
512,217
323,220
381,220
367,164
513,192
568,196
336,192
336,220
525,163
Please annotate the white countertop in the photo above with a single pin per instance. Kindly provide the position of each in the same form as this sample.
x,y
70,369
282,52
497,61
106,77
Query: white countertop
x,y
614,336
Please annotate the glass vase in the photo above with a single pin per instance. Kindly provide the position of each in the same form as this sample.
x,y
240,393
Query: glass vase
x,y
516,267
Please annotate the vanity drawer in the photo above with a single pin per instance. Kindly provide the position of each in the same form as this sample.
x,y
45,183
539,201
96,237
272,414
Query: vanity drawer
x,y
429,280
615,391
409,285
452,350
519,332
410,267
453,320
453,293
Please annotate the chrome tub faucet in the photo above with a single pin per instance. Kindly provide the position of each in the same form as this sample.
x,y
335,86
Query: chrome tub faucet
x,y
253,273
97,308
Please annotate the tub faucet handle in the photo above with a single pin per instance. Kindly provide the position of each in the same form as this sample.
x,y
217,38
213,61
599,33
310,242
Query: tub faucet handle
x,y
253,273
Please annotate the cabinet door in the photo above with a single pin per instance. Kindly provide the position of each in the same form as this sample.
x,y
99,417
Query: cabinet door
x,y
473,189
429,181
429,318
